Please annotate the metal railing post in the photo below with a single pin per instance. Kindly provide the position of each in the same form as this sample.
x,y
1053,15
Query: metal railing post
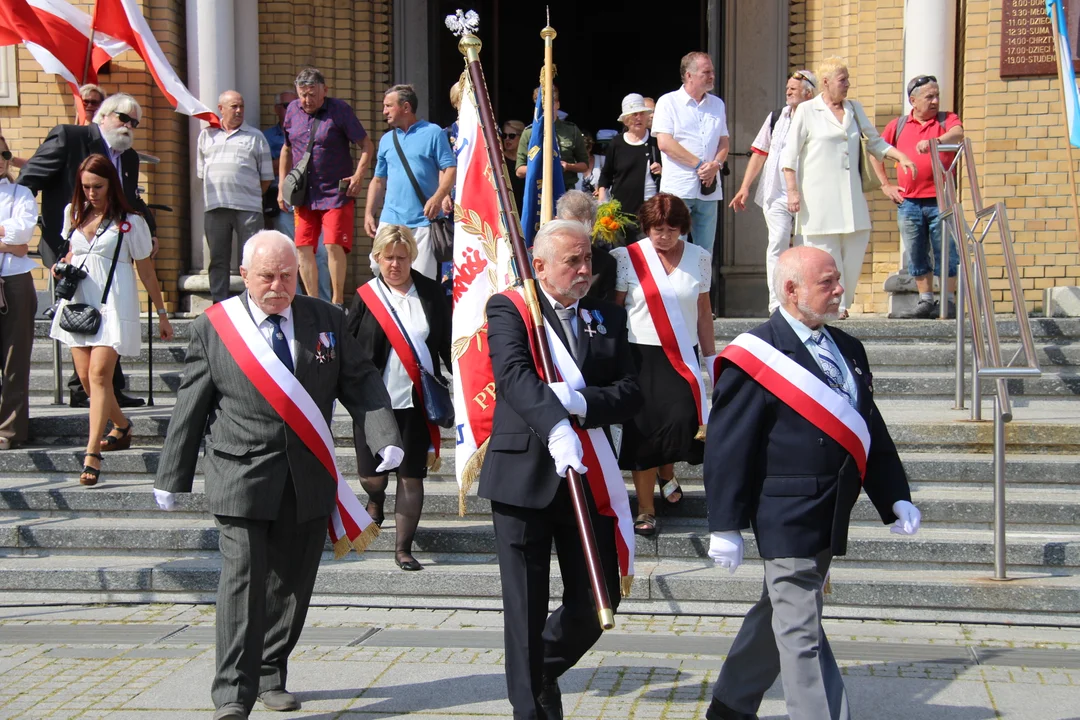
x,y
999,490
958,400
58,361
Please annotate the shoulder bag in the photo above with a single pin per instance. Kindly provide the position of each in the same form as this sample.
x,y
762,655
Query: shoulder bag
x,y
83,318
442,228
870,181
438,405
295,187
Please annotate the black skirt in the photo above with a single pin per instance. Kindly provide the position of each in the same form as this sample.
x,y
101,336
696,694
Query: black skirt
x,y
663,430
412,423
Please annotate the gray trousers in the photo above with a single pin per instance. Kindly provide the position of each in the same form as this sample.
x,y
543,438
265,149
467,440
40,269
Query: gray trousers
x,y
782,635
268,570
219,226
16,344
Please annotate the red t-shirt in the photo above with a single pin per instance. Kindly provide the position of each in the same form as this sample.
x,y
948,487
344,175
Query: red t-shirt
x,y
914,132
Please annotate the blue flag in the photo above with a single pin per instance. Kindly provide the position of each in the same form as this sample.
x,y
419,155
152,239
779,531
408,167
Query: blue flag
x,y
530,211
1065,72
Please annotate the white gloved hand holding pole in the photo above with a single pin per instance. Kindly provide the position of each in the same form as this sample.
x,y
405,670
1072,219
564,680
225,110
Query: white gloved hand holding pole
x,y
391,456
908,518
165,499
571,399
565,448
726,549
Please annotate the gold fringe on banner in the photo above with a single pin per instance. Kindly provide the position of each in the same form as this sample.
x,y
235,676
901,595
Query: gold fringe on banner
x,y
626,583
826,589
700,433
360,544
434,462
470,474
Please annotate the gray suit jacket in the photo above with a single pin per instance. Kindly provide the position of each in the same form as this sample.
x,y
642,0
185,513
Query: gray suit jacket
x,y
250,451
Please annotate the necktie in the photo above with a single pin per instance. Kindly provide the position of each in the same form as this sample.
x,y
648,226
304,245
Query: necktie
x,y
830,366
281,345
565,317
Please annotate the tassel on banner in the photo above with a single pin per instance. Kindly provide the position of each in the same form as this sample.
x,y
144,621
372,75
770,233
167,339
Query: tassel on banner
x,y
360,544
470,474
700,433
826,589
627,582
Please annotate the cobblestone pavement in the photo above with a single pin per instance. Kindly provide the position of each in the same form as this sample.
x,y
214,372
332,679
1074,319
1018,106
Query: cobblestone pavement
x,y
155,662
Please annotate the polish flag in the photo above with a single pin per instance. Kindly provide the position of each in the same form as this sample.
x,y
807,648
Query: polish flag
x,y
123,21
56,44
482,267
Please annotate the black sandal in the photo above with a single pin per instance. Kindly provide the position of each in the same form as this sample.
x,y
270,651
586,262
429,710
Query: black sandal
x,y
90,475
669,488
122,442
645,525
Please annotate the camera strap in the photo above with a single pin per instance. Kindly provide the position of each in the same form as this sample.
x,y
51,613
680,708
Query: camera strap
x,y
112,268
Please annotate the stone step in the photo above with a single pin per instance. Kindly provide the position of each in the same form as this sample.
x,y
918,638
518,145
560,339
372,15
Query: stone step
x,y
661,586
1027,550
164,354
876,329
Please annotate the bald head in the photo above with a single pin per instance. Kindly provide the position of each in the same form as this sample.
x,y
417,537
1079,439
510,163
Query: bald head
x,y
269,270
807,284
231,109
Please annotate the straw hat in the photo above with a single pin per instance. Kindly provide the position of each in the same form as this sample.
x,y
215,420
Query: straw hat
x,y
633,103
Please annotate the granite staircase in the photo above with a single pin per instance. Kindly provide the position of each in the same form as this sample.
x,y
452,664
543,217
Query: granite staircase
x,y
60,542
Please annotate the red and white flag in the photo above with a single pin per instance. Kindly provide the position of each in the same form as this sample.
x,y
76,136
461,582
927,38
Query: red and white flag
x,y
55,42
121,20
482,267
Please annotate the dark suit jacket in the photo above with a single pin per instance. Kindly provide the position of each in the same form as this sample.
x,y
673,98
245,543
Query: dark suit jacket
x,y
768,468
517,468
373,342
51,171
250,451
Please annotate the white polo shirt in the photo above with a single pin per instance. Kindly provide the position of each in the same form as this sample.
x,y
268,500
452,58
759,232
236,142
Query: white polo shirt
x,y
232,166
696,126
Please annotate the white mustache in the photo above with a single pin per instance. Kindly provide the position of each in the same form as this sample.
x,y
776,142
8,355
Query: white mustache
x,y
271,295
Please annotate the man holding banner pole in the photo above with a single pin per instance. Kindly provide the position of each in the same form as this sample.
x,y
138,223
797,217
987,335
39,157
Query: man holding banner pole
x,y
793,437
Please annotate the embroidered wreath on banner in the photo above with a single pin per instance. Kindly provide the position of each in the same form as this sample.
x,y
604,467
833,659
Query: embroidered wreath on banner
x,y
461,345
473,224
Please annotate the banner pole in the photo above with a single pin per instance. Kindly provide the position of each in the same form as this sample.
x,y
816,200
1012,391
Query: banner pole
x,y
1065,113
547,197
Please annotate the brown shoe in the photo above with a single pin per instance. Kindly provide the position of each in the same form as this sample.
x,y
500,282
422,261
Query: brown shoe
x,y
117,442
90,474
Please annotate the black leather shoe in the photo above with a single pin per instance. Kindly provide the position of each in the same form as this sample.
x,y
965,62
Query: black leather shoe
x,y
128,401
231,711
280,700
719,711
551,700
78,400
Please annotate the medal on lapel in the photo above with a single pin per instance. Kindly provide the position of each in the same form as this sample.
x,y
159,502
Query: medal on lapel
x,y
587,319
599,322
325,352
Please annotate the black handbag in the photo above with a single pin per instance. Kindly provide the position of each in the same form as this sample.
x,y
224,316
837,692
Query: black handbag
x,y
83,318
438,403
442,228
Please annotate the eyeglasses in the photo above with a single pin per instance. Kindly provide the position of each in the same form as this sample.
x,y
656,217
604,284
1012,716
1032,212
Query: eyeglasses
x,y
87,102
6,154
128,120
919,82
799,76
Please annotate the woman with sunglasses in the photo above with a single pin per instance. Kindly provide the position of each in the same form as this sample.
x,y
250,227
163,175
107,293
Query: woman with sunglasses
x,y
90,97
18,303
105,238
820,162
511,137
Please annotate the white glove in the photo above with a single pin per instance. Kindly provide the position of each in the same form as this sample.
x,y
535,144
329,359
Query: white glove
x,y
391,456
571,399
565,448
726,548
710,365
908,518
165,499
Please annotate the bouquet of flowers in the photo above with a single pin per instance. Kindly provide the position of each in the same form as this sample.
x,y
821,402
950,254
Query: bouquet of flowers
x,y
611,222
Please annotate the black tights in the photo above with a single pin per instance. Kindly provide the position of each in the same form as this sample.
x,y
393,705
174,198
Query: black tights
x,y
408,505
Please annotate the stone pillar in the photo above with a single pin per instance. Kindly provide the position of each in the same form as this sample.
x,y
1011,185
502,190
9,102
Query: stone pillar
x,y
246,17
410,48
930,46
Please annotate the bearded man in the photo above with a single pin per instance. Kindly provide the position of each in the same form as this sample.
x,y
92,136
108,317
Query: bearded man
x,y
52,172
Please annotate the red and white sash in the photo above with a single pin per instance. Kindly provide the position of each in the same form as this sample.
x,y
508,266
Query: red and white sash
x,y
803,392
676,338
605,479
350,525
376,302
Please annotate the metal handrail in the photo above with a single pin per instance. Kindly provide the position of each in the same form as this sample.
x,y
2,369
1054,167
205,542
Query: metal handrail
x,y
973,294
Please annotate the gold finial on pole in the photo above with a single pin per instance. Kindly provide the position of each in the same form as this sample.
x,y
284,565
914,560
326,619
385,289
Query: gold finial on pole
x,y
547,200
470,46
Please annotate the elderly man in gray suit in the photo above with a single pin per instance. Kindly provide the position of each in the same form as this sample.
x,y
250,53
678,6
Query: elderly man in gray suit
x,y
268,483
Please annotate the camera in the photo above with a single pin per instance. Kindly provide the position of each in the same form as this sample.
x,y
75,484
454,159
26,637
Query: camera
x,y
70,276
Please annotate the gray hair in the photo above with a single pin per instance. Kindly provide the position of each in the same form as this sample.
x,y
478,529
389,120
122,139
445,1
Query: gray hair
x,y
222,96
405,94
690,61
309,76
264,237
577,205
118,103
91,87
808,81
543,243
786,270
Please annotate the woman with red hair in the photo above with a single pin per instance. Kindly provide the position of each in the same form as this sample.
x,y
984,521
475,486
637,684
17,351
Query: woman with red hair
x,y
663,282
104,237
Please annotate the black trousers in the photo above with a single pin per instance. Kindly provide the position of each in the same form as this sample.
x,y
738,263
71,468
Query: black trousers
x,y
539,646
75,388
268,570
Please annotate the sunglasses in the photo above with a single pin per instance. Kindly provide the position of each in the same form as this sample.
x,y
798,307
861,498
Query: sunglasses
x,y
799,76
6,154
920,81
510,136
91,103
128,120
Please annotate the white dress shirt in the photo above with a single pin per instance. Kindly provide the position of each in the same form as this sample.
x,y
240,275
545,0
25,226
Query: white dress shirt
x,y
696,126
770,140
18,217
559,306
805,333
266,327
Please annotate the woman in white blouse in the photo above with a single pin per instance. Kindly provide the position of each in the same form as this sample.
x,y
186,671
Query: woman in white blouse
x,y
424,310
666,429
821,170
18,303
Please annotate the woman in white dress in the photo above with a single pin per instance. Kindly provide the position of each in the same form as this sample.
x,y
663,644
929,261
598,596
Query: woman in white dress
x,y
93,224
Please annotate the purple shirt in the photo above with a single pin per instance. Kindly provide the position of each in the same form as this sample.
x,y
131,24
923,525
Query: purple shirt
x,y
331,160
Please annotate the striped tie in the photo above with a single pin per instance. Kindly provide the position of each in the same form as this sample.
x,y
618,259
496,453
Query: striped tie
x,y
830,366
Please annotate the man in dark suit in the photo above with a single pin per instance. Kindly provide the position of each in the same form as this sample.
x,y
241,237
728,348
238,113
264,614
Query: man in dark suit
x,y
531,446
51,171
767,466
271,496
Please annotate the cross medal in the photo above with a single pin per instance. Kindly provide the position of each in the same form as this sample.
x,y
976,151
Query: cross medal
x,y
588,322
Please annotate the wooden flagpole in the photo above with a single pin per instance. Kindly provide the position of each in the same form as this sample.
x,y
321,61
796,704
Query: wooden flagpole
x,y
1065,113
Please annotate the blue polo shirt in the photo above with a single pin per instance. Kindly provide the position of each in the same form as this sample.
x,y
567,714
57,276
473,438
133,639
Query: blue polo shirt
x,y
428,151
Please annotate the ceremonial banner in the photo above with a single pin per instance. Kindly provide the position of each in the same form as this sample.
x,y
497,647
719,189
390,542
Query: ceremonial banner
x,y
57,45
482,267
530,211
